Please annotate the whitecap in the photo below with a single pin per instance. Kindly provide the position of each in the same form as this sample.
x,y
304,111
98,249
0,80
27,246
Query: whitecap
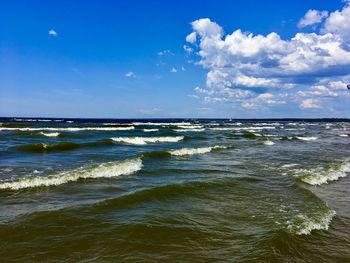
x,y
191,151
70,129
321,175
106,170
53,134
311,138
161,123
269,143
150,130
189,130
304,225
145,140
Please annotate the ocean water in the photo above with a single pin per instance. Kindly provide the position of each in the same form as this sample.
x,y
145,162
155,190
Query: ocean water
x,y
174,190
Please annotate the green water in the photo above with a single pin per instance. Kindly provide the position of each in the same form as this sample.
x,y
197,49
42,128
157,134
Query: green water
x,y
199,191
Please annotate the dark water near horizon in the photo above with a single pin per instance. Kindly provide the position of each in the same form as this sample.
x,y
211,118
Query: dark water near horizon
x,y
80,190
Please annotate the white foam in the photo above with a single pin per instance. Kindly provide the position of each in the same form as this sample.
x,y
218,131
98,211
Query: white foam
x,y
53,134
343,135
145,140
243,128
69,129
189,130
106,170
320,176
150,130
161,123
191,151
289,165
190,126
269,143
307,224
307,138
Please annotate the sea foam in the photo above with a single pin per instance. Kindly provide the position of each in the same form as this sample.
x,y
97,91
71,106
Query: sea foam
x,y
319,176
106,170
304,225
70,129
145,140
53,134
191,151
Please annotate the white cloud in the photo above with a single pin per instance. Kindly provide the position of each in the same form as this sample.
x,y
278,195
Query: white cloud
x,y
338,23
188,49
310,104
130,74
52,33
165,52
191,38
173,70
312,17
312,67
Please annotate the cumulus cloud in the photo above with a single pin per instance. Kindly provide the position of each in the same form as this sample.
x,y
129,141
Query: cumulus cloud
x,y
310,104
130,74
52,33
173,70
312,17
267,70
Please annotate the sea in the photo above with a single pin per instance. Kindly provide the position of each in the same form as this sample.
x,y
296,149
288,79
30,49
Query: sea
x,y
174,190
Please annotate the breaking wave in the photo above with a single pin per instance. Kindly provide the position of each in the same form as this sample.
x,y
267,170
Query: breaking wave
x,y
150,130
69,129
106,170
52,134
145,140
192,151
320,176
306,138
190,130
304,225
269,143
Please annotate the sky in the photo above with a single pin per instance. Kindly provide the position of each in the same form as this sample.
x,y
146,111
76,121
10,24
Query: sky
x,y
175,59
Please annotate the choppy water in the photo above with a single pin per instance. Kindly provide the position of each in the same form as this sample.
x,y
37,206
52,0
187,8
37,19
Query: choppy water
x,y
176,190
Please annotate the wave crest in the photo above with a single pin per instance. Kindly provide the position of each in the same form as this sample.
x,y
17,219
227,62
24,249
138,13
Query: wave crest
x,y
320,176
145,140
106,170
192,151
304,225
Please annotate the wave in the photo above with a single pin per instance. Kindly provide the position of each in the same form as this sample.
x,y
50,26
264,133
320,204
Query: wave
x,y
269,143
161,123
190,126
192,151
69,129
190,130
304,225
150,130
43,147
343,135
145,140
53,134
242,128
311,138
106,170
320,176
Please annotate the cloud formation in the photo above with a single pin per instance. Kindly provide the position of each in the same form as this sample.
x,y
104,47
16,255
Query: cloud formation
x,y
254,70
312,17
52,33
130,74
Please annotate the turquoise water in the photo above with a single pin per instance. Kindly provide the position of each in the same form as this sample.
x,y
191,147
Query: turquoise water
x,y
176,190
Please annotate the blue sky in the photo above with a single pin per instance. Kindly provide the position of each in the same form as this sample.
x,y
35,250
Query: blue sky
x,y
124,59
